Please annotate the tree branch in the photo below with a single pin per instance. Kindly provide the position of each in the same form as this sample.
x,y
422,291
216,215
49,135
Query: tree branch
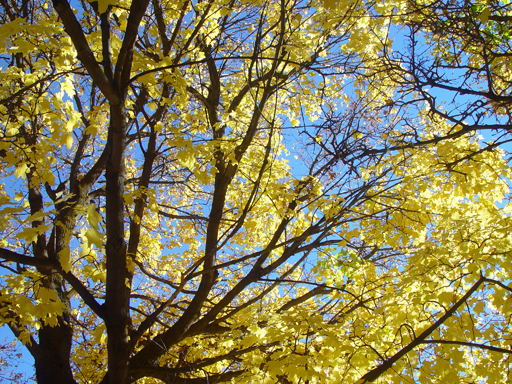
x,y
379,370
124,59
468,344
85,55
55,265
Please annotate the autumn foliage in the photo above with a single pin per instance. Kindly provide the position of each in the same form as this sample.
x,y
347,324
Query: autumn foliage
x,y
263,191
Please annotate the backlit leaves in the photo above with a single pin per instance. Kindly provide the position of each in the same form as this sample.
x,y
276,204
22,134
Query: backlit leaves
x,y
288,209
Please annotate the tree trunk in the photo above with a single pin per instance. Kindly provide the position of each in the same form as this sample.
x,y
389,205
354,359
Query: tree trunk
x,y
53,366
117,292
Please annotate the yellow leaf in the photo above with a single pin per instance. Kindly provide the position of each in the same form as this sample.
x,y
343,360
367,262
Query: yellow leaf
x,y
330,4
94,237
93,216
484,16
21,170
186,159
69,141
65,259
30,234
37,216
103,4
98,334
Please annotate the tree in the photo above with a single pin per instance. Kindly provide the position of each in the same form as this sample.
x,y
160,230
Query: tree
x,y
449,68
10,361
453,61
216,191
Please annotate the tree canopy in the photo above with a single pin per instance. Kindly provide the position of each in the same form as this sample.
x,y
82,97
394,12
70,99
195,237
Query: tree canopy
x,y
263,191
